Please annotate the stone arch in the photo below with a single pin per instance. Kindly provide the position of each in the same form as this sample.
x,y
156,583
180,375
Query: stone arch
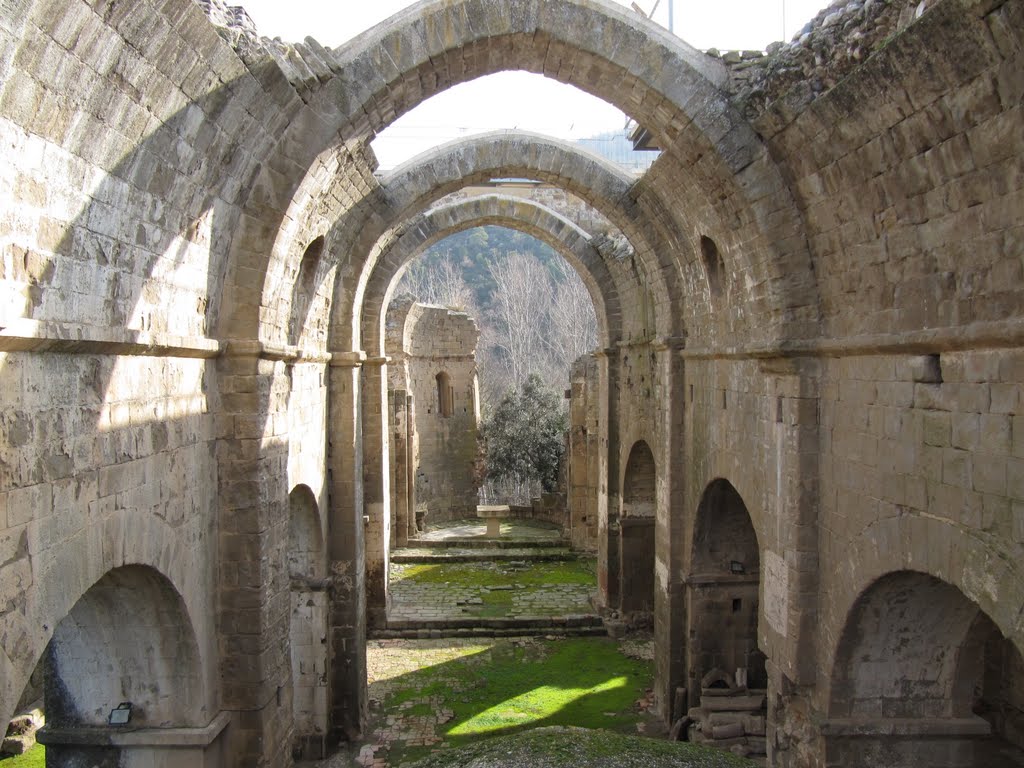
x,y
637,528
667,86
128,638
308,633
722,591
525,216
915,649
414,186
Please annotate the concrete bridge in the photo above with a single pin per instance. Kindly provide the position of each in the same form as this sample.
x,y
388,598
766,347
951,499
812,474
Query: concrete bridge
x,y
808,402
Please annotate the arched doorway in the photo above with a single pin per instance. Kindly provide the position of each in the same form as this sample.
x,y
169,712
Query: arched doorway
x,y
924,677
722,593
636,536
308,634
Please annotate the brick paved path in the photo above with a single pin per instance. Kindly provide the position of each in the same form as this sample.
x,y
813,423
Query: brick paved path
x,y
412,600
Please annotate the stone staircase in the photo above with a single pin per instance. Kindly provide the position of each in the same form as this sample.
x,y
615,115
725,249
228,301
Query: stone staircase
x,y
502,605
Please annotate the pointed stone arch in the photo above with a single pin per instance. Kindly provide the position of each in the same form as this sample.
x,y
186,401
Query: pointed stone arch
x,y
411,188
670,88
531,218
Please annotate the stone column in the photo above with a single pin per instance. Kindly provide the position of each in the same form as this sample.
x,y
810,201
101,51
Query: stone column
x,y
608,497
670,532
376,488
346,547
789,564
400,460
252,458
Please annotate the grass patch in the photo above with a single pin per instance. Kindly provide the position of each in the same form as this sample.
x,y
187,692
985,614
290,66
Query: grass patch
x,y
579,748
34,758
475,574
515,685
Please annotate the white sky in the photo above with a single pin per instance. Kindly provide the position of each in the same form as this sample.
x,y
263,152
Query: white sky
x,y
516,99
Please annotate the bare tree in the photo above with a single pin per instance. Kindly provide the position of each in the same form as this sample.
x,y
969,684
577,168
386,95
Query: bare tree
x,y
573,325
522,301
441,283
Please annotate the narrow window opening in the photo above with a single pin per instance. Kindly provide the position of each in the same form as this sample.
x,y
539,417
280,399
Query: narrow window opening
x,y
713,267
778,410
445,395
308,266
737,605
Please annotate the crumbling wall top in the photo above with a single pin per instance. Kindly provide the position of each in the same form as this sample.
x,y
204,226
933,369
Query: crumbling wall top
x,y
825,51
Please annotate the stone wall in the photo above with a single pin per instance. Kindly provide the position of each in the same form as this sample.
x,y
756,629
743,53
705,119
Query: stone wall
x,y
584,447
818,302
436,366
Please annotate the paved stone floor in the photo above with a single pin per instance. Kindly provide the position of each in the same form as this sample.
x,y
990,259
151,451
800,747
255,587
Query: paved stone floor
x,y
413,600
511,581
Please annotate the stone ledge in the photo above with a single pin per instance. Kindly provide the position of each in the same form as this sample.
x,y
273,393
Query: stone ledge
x,y
74,338
1003,334
104,736
277,352
721,579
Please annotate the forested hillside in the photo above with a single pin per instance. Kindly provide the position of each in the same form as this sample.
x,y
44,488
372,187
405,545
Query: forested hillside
x,y
473,251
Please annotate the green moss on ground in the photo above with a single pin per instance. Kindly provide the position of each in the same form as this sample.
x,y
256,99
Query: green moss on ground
x,y
34,758
495,574
515,685
581,748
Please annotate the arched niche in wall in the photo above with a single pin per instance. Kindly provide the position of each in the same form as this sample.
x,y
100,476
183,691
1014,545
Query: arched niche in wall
x,y
127,639
722,592
123,678
636,534
917,651
308,635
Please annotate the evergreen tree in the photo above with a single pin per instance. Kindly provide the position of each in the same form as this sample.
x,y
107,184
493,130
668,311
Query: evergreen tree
x,y
525,436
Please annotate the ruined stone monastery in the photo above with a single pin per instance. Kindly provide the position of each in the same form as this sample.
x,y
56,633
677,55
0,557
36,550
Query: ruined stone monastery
x,y
799,445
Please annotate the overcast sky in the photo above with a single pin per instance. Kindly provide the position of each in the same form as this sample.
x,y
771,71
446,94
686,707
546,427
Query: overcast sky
x,y
515,99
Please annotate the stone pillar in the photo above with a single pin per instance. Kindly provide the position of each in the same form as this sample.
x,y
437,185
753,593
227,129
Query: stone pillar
x,y
789,564
376,488
252,458
410,467
608,497
346,547
400,461
584,449
670,534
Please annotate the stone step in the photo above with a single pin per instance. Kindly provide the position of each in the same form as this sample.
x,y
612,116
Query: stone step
x,y
575,626
480,542
470,555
